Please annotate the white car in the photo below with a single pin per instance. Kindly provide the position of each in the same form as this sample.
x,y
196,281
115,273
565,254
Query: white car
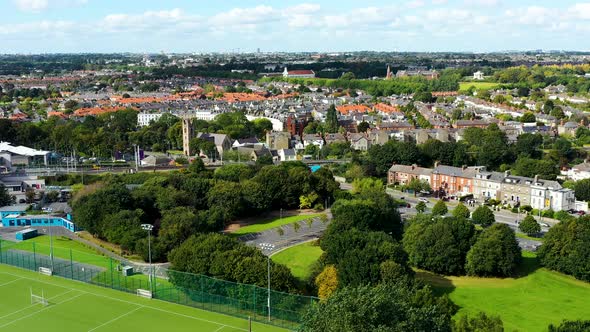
x,y
423,200
545,225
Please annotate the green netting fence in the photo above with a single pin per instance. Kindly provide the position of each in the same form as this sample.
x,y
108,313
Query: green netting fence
x,y
241,300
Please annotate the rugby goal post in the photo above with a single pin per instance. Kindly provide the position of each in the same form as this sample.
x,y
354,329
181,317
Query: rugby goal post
x,y
38,298
144,293
45,270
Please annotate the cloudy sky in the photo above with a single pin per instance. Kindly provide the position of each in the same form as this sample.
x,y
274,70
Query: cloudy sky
x,y
46,26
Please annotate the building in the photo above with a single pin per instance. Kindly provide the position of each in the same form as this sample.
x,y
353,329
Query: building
x,y
188,132
278,140
478,75
305,73
546,194
487,185
42,220
359,142
287,155
296,123
12,156
145,118
578,172
403,174
516,190
428,74
453,180
222,141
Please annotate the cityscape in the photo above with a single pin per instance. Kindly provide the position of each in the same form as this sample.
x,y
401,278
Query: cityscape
x,y
411,166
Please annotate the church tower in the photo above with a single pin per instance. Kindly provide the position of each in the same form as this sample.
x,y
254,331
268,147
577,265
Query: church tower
x,y
187,134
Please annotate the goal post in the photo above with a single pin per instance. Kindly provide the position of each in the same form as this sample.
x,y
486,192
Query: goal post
x,y
39,298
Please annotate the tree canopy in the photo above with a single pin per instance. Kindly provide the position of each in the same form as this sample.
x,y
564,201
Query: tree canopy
x,y
495,253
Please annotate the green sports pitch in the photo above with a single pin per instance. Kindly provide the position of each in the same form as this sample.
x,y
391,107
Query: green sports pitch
x,y
76,306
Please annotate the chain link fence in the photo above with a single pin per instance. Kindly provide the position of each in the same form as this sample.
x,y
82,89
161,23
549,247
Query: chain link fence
x,y
199,291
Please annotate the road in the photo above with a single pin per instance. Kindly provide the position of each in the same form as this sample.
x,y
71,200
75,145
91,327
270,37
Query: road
x,y
288,236
502,216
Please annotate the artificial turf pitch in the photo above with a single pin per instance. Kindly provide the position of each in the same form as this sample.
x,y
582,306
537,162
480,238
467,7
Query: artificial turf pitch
x,y
76,306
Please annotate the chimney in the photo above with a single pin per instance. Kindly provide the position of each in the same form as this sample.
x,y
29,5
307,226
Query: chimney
x,y
506,173
464,167
414,166
435,164
536,179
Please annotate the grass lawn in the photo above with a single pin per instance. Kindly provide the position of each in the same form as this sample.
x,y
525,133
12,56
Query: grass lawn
x,y
528,303
75,306
299,258
61,249
264,225
463,86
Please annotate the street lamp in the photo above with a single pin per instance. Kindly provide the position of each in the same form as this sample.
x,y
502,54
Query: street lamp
x,y
149,228
269,247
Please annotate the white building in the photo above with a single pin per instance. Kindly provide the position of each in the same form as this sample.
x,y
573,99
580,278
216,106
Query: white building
x,y
547,195
145,118
305,73
11,156
578,172
478,75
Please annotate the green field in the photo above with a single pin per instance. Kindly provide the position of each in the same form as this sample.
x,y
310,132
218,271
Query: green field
x,y
75,306
61,249
267,224
463,86
299,258
528,303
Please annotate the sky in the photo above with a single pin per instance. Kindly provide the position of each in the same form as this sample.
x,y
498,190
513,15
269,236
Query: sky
x,y
182,26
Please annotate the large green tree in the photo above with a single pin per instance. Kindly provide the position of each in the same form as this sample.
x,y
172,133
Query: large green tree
x,y
566,248
331,125
529,226
5,198
495,253
483,216
439,245
386,307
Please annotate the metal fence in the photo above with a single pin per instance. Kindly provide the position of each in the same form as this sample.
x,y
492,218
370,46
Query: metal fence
x,y
199,291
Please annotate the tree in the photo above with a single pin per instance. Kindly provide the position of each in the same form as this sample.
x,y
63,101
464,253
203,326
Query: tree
x,y
420,207
358,254
565,248
440,208
363,127
548,106
417,185
367,214
495,253
483,216
386,307
5,198
582,189
529,226
331,124
480,323
571,326
327,282
439,245
528,117
461,211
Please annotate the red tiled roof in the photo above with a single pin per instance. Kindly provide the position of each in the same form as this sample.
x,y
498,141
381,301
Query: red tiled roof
x,y
345,109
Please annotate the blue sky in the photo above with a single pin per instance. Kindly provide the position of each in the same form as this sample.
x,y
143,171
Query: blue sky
x,y
49,26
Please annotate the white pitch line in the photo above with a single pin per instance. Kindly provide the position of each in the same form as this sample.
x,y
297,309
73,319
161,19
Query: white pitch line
x,y
32,305
10,282
219,329
125,301
114,319
46,308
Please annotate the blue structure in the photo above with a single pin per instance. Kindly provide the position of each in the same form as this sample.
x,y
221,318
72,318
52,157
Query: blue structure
x,y
26,234
315,168
13,216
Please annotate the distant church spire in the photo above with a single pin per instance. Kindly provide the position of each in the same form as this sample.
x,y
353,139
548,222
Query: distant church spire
x,y
388,76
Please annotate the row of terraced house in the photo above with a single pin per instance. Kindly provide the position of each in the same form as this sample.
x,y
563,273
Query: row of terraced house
x,y
483,185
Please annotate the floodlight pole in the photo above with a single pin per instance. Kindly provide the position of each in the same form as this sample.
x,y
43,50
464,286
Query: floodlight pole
x,y
149,228
51,246
269,247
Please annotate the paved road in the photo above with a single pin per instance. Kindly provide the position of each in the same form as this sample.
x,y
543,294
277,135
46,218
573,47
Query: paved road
x,y
502,216
289,236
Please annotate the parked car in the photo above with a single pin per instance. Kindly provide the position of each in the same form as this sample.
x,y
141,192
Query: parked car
x,y
544,224
408,206
581,213
423,200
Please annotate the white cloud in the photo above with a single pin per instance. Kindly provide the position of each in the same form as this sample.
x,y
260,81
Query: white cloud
x,y
149,20
31,5
482,3
245,16
36,6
